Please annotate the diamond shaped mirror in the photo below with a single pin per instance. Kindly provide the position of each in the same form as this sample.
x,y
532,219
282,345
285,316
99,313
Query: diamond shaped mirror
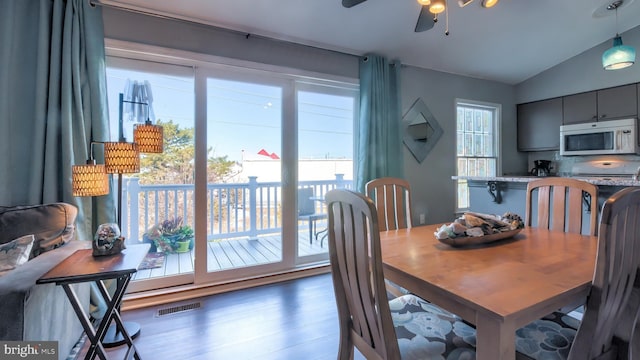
x,y
421,130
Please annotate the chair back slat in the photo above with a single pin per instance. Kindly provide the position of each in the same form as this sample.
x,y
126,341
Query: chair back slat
x,y
392,198
356,268
613,305
399,207
574,210
544,206
559,204
558,208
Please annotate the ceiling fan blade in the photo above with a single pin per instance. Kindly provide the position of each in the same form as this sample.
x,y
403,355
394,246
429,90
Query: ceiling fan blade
x,y
350,3
425,19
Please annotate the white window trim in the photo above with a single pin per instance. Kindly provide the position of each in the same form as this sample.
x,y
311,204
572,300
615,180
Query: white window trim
x,y
497,139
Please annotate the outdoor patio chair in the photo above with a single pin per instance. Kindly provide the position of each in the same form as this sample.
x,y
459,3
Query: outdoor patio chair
x,y
307,212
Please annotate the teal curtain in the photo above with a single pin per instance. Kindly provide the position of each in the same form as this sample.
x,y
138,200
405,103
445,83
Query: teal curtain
x,y
379,144
52,103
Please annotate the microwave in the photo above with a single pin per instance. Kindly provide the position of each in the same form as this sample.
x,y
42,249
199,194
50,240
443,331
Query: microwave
x,y
600,138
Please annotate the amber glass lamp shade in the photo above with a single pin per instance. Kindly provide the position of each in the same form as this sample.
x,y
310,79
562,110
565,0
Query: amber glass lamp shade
x,y
121,158
89,179
437,6
489,3
149,137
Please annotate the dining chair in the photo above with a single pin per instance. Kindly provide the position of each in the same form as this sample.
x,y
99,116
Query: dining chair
x,y
559,201
392,197
607,330
406,327
307,211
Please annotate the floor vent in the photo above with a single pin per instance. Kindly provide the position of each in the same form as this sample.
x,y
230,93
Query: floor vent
x,y
179,309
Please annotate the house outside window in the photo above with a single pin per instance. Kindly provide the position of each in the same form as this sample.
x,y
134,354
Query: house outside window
x,y
477,144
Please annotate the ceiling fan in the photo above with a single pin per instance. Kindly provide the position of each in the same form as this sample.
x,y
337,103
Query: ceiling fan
x,y
429,11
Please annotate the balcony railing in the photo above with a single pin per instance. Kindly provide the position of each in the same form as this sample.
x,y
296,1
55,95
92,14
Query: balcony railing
x,y
233,209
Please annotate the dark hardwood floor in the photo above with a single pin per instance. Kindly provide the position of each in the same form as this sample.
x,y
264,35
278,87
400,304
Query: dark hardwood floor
x,y
295,319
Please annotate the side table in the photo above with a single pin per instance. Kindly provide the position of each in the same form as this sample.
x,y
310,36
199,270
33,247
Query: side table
x,y
82,266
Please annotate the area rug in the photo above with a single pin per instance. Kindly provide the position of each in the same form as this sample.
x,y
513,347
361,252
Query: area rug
x,y
152,260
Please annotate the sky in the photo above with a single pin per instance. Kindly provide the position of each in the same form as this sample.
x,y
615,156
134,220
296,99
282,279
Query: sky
x,y
241,116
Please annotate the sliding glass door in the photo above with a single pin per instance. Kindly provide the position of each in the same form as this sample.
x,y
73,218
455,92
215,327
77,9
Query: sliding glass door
x,y
275,146
244,188
249,155
325,119
158,202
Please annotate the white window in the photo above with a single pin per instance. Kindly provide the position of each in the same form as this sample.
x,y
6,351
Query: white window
x,y
477,137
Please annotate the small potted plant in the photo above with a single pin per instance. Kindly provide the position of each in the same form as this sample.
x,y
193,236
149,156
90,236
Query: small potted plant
x,y
171,236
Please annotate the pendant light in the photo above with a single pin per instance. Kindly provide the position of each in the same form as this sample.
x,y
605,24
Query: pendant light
x,y
619,56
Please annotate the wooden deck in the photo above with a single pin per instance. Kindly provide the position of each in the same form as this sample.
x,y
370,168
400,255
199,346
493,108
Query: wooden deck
x,y
233,253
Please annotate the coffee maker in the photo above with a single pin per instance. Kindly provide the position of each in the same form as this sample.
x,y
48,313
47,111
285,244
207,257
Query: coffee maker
x,y
541,168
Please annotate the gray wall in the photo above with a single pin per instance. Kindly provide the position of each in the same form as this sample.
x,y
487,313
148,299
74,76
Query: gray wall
x,y
433,189
581,73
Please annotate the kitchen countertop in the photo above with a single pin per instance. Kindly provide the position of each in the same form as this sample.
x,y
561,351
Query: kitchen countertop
x,y
596,180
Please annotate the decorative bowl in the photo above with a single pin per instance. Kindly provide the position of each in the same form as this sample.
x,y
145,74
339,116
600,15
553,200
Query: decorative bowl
x,y
476,240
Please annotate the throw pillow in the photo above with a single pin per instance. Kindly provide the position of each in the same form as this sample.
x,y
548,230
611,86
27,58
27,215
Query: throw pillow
x,y
15,253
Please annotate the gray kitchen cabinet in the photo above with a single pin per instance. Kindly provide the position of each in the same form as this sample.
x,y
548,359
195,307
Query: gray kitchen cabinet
x,y
580,108
601,105
618,102
539,125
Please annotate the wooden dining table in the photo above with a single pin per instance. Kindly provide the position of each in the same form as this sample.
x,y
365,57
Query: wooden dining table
x,y
500,286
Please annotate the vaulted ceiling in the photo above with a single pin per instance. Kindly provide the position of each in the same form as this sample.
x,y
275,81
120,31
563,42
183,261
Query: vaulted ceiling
x,y
508,43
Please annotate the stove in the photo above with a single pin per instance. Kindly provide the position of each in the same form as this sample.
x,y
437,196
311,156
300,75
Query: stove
x,y
601,178
605,169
